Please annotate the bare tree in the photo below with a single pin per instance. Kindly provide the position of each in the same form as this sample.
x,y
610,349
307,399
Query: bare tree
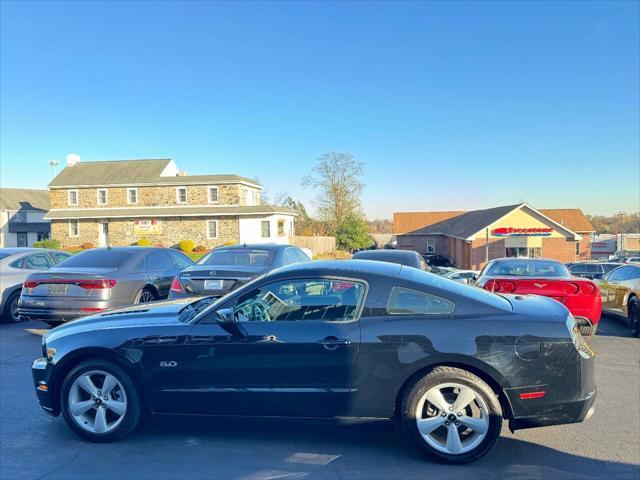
x,y
337,177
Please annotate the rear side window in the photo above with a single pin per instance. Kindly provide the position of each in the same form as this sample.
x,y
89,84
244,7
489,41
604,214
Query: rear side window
x,y
59,257
406,301
39,261
97,258
159,260
180,260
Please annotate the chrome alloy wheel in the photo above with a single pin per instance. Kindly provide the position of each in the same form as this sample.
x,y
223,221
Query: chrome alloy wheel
x,y
146,296
97,401
452,418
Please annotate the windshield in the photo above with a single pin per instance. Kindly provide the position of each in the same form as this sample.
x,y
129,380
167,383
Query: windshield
x,y
237,256
524,268
97,258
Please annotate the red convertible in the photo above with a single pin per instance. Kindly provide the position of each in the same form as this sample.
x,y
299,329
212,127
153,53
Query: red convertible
x,y
550,278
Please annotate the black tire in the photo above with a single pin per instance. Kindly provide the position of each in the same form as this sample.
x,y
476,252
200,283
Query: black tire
x,y
588,330
446,375
8,311
146,295
633,317
133,411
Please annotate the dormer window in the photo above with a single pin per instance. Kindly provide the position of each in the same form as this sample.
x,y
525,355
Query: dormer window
x,y
102,196
72,197
181,195
213,195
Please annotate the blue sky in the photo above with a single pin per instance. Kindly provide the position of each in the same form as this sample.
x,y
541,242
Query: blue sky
x,y
450,105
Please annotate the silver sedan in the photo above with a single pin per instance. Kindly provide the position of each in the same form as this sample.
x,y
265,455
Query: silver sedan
x,y
99,279
16,264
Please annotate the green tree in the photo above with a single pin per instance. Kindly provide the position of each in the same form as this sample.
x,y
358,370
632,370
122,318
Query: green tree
x,y
338,179
352,234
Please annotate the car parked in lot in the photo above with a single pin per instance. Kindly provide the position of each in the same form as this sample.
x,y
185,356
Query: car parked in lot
x,y
99,279
620,292
463,276
434,260
549,278
226,268
16,264
326,339
409,258
591,270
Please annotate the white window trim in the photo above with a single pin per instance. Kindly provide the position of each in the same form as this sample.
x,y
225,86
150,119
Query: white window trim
x,y
269,223
71,221
69,198
106,196
178,195
129,198
206,224
211,187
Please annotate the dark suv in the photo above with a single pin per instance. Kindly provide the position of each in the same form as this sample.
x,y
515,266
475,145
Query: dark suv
x,y
591,270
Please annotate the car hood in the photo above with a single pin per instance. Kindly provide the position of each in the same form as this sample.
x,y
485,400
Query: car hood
x,y
145,314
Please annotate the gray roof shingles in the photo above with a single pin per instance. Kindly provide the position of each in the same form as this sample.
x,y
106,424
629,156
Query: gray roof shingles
x,y
23,199
131,172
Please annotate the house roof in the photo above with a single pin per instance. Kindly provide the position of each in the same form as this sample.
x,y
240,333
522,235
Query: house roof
x,y
155,212
571,218
405,222
466,224
133,172
23,199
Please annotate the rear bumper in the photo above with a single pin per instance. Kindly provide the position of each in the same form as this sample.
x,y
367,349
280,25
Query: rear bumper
x,y
59,310
41,371
558,414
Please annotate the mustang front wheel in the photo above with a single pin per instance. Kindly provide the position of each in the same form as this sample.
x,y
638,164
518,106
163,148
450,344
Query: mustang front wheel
x,y
100,402
452,415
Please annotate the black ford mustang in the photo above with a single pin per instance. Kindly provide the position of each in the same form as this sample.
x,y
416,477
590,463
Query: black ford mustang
x,y
324,339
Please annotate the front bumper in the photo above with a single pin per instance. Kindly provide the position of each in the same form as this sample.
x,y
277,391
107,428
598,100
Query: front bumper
x,y
41,371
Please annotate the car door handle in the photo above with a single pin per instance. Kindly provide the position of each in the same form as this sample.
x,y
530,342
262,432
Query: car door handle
x,y
331,343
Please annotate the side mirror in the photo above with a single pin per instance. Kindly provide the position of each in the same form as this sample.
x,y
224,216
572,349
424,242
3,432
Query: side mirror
x,y
225,315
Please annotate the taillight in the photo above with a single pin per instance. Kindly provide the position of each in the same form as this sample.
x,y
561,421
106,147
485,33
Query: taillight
x,y
95,284
492,286
29,284
176,286
587,288
571,288
508,287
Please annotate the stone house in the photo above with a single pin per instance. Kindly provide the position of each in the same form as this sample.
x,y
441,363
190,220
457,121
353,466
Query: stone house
x,y
120,202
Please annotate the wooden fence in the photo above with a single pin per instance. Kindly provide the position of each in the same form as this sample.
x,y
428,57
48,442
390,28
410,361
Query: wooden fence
x,y
315,244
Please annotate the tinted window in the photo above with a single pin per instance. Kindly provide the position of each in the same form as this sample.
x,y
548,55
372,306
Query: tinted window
x,y
578,269
472,293
302,257
97,257
290,256
159,260
609,266
634,274
237,256
182,261
297,300
620,274
405,301
591,269
523,268
39,261
17,263
59,257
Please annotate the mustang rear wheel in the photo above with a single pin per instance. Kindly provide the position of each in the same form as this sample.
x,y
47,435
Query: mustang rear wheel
x,y
451,415
100,401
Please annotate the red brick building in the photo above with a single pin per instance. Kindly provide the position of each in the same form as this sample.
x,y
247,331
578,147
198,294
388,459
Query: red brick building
x,y
469,239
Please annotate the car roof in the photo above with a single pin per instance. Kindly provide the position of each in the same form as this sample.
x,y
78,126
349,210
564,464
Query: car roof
x,y
342,267
525,259
14,250
251,246
387,253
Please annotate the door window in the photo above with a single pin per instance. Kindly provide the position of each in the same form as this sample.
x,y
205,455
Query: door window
x,y
38,261
406,301
297,300
159,260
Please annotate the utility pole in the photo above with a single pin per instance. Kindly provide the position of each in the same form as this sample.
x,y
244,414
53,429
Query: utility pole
x,y
53,164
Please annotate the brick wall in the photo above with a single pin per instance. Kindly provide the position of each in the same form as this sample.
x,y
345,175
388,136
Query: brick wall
x,y
559,249
153,196
478,255
173,231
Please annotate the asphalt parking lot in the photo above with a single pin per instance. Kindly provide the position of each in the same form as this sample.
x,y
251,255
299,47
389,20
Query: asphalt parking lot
x,y
34,445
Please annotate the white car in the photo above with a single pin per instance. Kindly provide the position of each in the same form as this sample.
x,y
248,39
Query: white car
x,y
632,260
16,264
462,276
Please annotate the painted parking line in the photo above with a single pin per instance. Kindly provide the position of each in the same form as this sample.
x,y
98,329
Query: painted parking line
x,y
36,331
311,458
